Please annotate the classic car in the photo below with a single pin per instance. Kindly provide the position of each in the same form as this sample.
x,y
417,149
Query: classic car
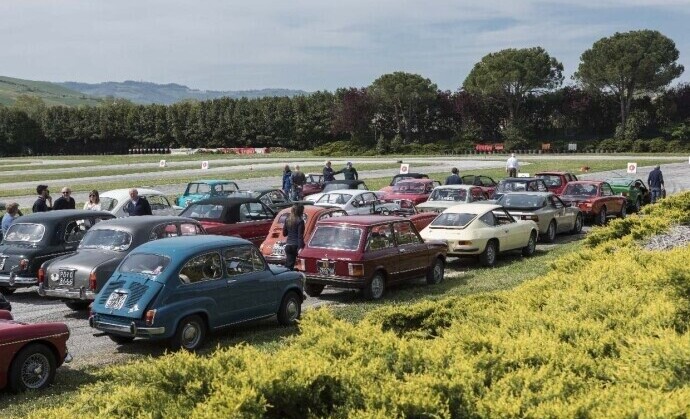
x,y
243,217
313,185
4,304
443,197
356,202
556,181
403,176
275,199
114,201
482,231
202,189
369,253
337,185
30,353
634,189
407,209
415,190
273,248
180,288
76,278
595,199
35,238
551,214
519,184
487,184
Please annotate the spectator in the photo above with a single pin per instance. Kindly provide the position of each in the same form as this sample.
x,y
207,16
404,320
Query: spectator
x,y
94,203
656,183
512,166
350,172
65,201
44,202
287,180
137,205
9,217
329,173
454,178
293,230
298,181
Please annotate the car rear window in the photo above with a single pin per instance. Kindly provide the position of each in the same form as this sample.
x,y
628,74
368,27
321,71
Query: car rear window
x,y
413,188
521,201
580,189
204,211
453,219
448,194
106,239
24,232
335,198
551,180
144,263
336,237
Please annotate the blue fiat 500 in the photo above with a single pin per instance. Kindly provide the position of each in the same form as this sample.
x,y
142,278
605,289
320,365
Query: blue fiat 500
x,y
181,288
202,189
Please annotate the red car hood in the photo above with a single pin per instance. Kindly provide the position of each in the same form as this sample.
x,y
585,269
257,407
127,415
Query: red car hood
x,y
11,331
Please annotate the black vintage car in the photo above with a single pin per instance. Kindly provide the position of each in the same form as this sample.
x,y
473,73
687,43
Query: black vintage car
x,y
78,277
35,238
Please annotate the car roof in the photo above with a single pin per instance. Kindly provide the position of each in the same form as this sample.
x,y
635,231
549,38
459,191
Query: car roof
x,y
468,187
521,179
310,210
119,193
136,223
586,182
212,181
473,208
422,180
345,181
361,220
353,192
226,200
412,175
180,247
532,193
551,172
52,216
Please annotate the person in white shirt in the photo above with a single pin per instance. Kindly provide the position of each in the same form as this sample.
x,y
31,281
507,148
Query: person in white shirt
x,y
94,203
512,166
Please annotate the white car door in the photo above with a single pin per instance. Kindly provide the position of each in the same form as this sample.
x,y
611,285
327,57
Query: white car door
x,y
357,206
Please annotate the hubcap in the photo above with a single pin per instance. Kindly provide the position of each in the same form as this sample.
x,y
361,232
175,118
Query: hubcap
x,y
438,272
602,216
532,243
292,310
552,232
490,254
578,224
191,335
35,371
377,286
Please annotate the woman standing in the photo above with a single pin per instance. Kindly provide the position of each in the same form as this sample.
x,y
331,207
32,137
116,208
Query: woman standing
x,y
94,203
293,230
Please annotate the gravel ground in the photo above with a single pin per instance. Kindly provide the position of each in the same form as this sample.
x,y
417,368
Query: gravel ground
x,y
678,236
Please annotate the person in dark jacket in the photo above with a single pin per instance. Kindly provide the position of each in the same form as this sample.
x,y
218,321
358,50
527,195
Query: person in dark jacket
x,y
454,178
65,201
656,183
350,172
287,180
293,230
44,202
137,205
329,173
298,181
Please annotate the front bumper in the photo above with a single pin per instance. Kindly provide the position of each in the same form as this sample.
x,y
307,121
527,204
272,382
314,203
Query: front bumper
x,y
337,281
131,329
67,294
16,281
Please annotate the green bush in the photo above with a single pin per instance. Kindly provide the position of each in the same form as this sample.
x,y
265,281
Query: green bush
x,y
640,146
658,145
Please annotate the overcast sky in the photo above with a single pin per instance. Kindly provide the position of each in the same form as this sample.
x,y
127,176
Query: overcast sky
x,y
306,44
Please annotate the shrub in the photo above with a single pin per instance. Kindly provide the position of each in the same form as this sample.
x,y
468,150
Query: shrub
x,y
658,145
640,146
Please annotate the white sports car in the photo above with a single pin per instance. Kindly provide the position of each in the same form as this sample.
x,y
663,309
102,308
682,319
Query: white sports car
x,y
357,202
443,197
115,200
482,230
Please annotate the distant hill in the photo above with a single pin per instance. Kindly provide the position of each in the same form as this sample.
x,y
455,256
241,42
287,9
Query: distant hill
x,y
51,93
145,92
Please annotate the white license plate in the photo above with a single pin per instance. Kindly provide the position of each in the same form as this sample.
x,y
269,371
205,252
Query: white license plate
x,y
326,267
116,301
278,249
65,277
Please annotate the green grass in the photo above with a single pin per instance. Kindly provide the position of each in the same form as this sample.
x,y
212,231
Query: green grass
x,y
52,94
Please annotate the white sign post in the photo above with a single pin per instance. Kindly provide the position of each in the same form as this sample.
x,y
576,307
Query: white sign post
x,y
521,174
162,163
632,168
404,168
204,165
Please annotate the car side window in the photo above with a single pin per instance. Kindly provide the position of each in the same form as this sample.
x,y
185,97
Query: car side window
x,y
380,237
541,186
278,197
488,219
555,202
368,198
362,186
75,230
188,229
204,267
242,259
487,181
405,233
163,231
502,217
253,211
606,190
157,202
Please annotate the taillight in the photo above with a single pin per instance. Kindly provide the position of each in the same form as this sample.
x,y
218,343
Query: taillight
x,y
23,264
41,275
150,317
355,269
92,281
300,264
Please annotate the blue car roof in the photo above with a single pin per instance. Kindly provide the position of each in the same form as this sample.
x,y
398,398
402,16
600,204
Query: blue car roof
x,y
211,182
178,248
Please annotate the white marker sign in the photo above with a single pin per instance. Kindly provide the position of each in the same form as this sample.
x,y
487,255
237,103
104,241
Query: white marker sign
x,y
632,168
162,163
404,168
523,174
204,165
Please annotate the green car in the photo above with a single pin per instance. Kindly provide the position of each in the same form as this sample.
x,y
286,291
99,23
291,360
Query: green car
x,y
633,189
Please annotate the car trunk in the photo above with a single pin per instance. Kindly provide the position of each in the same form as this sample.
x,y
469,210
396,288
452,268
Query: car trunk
x,y
127,295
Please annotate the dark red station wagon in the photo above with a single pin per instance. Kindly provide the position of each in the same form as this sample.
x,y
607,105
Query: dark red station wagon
x,y
369,253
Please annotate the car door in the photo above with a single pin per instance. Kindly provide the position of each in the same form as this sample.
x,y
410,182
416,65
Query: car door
x,y
414,257
476,194
380,251
255,221
514,236
562,218
358,206
613,204
494,229
253,287
202,278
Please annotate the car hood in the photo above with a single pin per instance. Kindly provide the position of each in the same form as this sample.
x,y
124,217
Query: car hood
x,y
577,198
140,290
278,269
12,331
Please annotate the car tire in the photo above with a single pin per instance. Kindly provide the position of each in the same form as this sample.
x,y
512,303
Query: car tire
x,y
375,287
121,340
313,290
550,235
77,305
602,216
488,256
190,334
436,272
577,227
290,309
7,291
32,369
638,204
531,247
624,211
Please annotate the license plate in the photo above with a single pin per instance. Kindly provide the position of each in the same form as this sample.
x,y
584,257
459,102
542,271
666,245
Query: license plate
x,y
2,263
326,267
66,277
116,301
278,249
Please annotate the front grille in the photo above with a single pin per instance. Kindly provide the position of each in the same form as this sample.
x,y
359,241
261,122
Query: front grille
x,y
137,290
105,293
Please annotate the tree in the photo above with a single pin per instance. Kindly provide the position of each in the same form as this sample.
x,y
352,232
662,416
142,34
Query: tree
x,y
627,64
511,74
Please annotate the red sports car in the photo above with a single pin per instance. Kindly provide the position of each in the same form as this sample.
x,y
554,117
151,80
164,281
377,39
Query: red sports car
x,y
595,199
30,353
556,181
415,190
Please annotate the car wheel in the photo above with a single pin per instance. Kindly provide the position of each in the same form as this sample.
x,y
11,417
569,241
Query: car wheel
x,y
624,211
313,290
550,235
121,340
190,334
77,305
577,228
435,274
531,245
638,204
375,288
488,256
33,368
7,291
601,217
290,309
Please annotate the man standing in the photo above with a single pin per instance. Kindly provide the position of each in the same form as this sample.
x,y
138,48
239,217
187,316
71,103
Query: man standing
x,y
454,178
329,173
512,166
298,181
44,202
287,180
656,183
65,201
350,172
137,205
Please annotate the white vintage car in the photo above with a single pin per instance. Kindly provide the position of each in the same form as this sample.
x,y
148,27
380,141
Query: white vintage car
x,y
483,231
443,197
357,202
115,200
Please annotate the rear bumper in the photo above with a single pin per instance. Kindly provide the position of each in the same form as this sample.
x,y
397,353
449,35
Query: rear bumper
x,y
67,294
275,260
16,281
337,281
131,329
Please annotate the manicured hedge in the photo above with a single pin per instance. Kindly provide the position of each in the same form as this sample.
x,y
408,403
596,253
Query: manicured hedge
x,y
603,334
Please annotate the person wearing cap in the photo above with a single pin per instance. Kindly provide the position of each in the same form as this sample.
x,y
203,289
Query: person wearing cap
x,y
65,201
512,166
350,172
44,202
655,180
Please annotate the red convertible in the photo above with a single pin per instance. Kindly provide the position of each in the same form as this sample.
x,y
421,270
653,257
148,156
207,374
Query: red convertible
x,y
556,181
244,217
30,353
595,199
415,190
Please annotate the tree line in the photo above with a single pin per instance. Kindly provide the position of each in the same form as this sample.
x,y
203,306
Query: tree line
x,y
515,96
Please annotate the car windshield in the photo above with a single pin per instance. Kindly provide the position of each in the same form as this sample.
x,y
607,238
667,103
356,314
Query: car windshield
x,y
144,263
453,220
334,198
551,180
516,186
333,186
448,194
522,201
413,188
336,237
587,189
106,239
205,211
108,204
619,182
23,232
